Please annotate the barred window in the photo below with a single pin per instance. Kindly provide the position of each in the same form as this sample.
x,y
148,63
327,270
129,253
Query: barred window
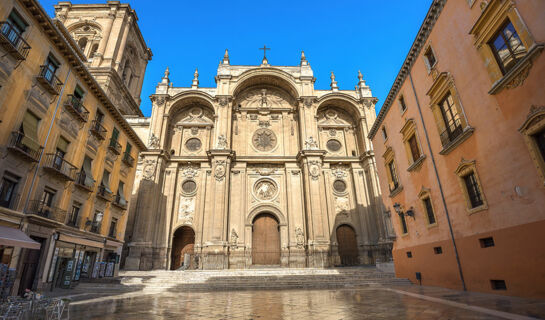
x,y
429,210
473,190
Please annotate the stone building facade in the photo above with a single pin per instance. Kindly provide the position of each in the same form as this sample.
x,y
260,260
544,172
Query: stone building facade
x,y
460,144
67,154
262,169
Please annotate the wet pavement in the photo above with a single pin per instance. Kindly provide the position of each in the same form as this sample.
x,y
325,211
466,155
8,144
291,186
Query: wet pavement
x,y
405,302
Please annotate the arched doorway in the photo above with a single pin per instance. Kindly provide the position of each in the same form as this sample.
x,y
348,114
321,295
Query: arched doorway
x,y
348,246
182,243
265,240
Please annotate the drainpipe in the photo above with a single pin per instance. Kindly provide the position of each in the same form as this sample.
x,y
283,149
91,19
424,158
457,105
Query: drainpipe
x,y
45,142
440,185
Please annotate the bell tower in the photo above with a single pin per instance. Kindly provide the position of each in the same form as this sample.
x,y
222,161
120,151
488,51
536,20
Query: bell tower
x,y
117,55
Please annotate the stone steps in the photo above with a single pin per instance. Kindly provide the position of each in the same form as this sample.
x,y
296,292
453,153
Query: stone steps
x,y
247,279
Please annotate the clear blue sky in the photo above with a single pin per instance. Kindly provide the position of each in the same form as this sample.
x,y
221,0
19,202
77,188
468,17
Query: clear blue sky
x,y
340,36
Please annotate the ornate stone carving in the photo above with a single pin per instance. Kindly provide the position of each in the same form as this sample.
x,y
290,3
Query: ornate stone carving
x,y
265,189
154,142
222,142
314,169
332,132
234,238
311,144
148,171
264,139
295,172
223,101
342,205
190,172
194,131
307,101
266,170
187,208
300,237
219,172
518,80
338,172
264,123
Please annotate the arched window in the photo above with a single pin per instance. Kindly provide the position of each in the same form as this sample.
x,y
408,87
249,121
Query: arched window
x,y
82,42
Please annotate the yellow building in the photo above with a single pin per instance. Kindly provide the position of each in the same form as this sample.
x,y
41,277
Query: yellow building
x,y
67,155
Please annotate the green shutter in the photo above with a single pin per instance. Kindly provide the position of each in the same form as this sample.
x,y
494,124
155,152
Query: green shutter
x,y
62,144
30,129
18,22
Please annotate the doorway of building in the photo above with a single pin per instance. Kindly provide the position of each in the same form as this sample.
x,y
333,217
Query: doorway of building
x,y
31,261
348,246
182,244
265,240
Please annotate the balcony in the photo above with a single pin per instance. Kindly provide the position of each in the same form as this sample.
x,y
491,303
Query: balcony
x,y
49,80
120,202
128,159
104,193
41,209
76,108
59,167
95,227
449,135
85,181
24,146
98,130
115,146
12,41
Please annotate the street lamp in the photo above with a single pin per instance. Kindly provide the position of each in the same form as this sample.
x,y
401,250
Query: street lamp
x,y
399,211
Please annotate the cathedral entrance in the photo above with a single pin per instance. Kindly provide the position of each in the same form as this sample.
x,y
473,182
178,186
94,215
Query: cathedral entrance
x,y
182,244
265,240
348,246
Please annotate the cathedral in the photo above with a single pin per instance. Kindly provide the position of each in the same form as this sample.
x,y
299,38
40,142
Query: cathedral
x,y
260,170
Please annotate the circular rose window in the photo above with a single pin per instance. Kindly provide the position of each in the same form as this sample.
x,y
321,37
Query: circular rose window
x,y
339,186
193,144
189,186
264,139
334,145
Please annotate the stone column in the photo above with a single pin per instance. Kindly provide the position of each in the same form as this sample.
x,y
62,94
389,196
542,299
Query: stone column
x,y
315,200
214,251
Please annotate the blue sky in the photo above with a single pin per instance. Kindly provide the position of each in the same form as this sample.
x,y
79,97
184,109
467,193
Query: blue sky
x,y
341,36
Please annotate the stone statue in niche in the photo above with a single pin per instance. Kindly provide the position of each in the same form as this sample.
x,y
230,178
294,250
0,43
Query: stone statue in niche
x,y
311,144
300,237
264,103
153,141
222,142
234,238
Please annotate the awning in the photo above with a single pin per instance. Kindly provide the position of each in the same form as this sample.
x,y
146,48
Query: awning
x,y
77,240
16,238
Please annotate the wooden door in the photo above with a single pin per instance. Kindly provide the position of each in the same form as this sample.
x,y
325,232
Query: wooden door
x,y
265,241
31,259
183,242
348,246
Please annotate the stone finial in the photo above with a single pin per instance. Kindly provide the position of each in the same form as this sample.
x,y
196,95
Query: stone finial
x,y
361,82
226,57
165,79
360,76
304,61
333,84
195,83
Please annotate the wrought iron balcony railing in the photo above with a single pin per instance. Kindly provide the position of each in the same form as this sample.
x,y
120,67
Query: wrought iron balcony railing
x,y
104,193
12,41
60,167
40,208
24,146
98,130
120,202
115,146
450,134
85,181
128,159
49,80
74,106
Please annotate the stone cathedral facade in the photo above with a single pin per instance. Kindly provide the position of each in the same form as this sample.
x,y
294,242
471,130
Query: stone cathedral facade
x,y
262,169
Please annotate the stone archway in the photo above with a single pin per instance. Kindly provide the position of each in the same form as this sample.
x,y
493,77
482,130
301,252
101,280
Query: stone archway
x,y
348,245
182,243
265,240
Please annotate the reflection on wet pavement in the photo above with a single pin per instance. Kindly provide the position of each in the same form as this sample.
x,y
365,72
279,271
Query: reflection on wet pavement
x,y
364,303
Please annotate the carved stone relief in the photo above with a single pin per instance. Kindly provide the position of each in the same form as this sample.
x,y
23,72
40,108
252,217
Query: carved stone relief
x,y
264,140
265,189
187,209
311,143
219,172
148,171
314,169
300,237
153,141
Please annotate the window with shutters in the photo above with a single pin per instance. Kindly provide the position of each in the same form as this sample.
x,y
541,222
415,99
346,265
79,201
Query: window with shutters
x,y
62,148
429,58
471,186
412,145
447,109
29,131
8,189
427,206
402,104
403,223
73,218
113,228
391,172
505,44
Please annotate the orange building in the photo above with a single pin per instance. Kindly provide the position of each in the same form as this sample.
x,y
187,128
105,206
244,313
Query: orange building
x,y
460,148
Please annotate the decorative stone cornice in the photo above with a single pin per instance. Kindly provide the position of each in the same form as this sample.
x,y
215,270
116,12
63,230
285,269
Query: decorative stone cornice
x,y
421,38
